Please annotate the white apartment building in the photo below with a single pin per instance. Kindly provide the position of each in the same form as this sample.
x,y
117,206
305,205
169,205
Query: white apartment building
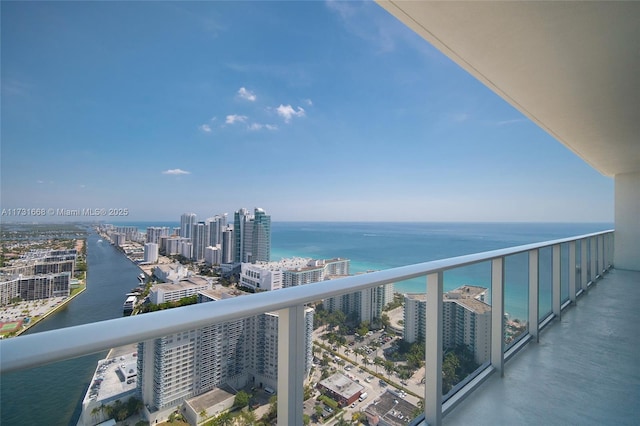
x,y
364,305
161,293
154,233
151,252
186,248
298,271
466,320
183,365
171,273
261,276
212,255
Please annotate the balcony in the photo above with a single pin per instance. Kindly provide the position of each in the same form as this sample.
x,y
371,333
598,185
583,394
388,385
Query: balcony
x,y
591,345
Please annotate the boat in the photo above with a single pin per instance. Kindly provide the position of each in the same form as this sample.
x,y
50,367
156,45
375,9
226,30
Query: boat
x,y
129,304
142,278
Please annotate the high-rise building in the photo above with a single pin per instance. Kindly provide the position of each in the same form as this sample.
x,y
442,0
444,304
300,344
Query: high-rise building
x,y
261,241
252,235
215,227
212,255
228,245
151,252
242,230
363,305
174,368
199,241
466,320
187,220
155,232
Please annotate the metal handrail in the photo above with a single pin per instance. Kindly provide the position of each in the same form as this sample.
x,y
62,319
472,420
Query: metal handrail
x,y
56,345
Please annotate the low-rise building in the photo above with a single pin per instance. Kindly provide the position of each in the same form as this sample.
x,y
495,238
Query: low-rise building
x,y
161,293
341,389
390,410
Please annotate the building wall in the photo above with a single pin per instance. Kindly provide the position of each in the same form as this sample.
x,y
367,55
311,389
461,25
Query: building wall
x,y
627,217
183,365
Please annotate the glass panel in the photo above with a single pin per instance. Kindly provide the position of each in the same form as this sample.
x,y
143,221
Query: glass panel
x,y
564,272
466,325
516,298
589,247
546,283
578,271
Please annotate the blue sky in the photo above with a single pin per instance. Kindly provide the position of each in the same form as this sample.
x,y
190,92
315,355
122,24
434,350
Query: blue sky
x,y
310,110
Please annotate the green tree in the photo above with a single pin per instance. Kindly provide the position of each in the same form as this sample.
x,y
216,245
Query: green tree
x,y
224,419
386,321
306,419
242,399
248,417
388,366
318,411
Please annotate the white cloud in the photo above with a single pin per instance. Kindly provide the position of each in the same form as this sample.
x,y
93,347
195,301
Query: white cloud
x,y
460,117
205,128
246,94
255,126
287,112
176,172
507,122
309,102
234,118
40,181
271,127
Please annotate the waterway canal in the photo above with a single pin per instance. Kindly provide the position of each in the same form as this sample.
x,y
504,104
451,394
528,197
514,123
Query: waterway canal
x,y
51,394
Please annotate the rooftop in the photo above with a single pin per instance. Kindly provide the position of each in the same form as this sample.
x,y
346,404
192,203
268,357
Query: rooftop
x,y
392,409
342,385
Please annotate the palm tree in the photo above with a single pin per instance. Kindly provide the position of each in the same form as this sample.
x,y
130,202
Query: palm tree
x,y
95,411
224,419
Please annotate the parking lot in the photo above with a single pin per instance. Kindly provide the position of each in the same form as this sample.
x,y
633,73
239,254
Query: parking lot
x,y
360,368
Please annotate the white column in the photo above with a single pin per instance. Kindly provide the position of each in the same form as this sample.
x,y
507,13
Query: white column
x,y
555,293
534,308
572,272
497,314
291,354
627,214
433,351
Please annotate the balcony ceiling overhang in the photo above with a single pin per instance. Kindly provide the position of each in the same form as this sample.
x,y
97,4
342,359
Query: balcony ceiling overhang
x,y
571,67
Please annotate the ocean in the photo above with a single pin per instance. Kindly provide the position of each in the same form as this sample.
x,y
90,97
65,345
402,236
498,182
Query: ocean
x,y
372,246
50,394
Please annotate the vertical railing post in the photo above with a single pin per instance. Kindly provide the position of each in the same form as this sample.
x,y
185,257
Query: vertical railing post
x,y
433,350
556,293
572,271
601,265
583,264
291,356
534,307
497,314
611,238
593,249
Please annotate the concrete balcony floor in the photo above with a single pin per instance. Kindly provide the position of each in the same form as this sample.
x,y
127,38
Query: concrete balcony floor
x,y
584,371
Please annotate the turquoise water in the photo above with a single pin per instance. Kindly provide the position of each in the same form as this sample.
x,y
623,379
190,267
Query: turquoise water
x,y
50,394
375,246
383,245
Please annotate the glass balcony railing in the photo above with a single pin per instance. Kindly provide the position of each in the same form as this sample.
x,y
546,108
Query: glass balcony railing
x,y
477,311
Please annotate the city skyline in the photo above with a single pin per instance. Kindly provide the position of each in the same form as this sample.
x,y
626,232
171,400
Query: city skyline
x,y
321,111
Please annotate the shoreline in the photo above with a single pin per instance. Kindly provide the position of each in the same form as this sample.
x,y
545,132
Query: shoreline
x,y
47,314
